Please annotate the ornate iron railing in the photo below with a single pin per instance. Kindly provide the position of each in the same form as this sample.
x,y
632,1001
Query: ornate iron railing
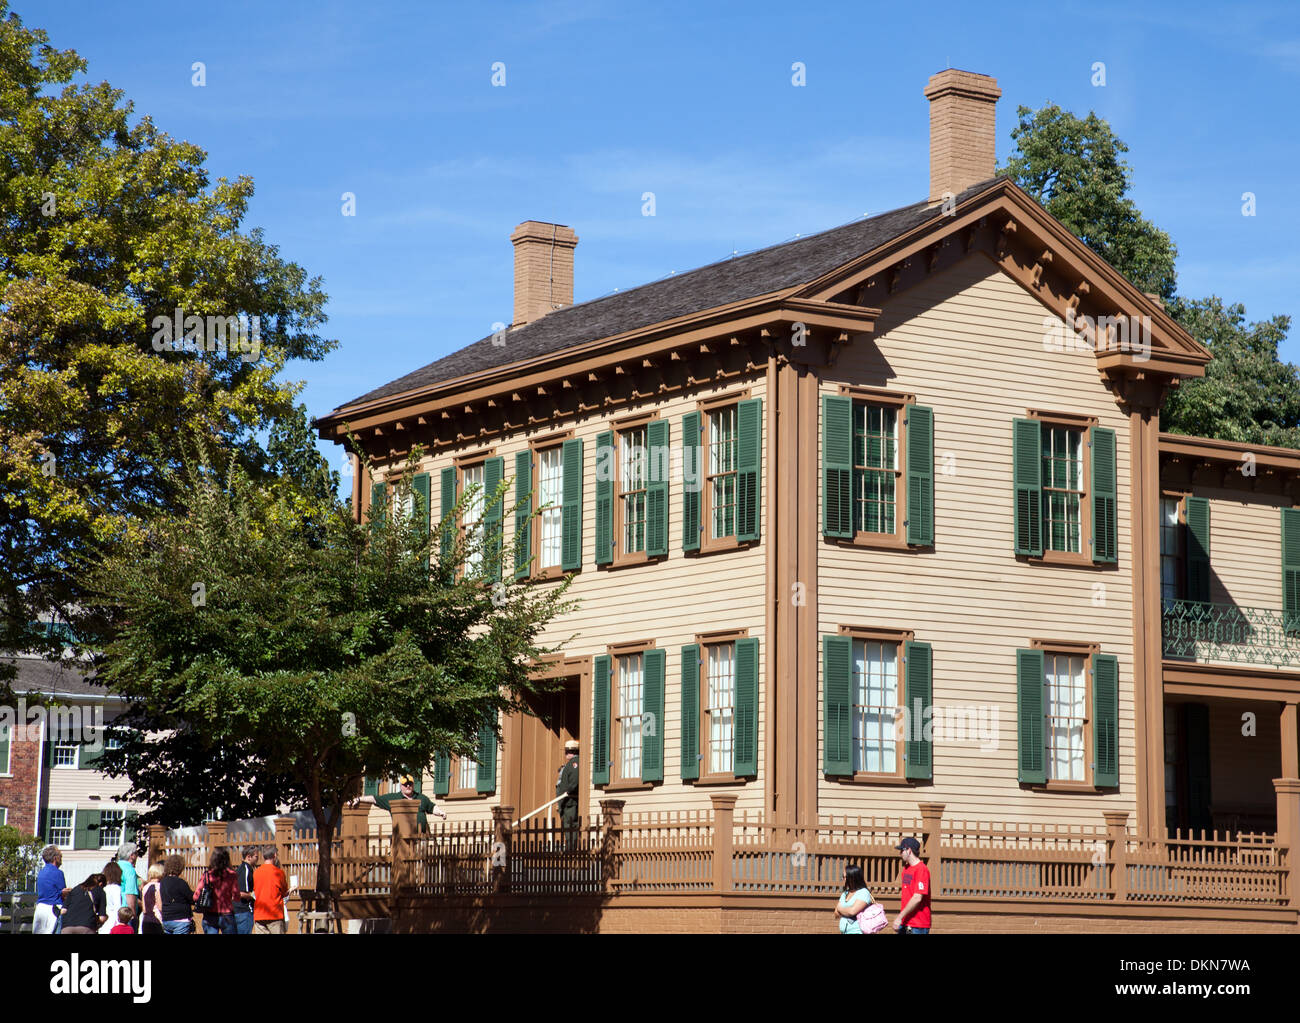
x,y
1230,632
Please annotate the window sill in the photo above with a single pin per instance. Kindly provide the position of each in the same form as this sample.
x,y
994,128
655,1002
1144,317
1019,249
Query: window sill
x,y
720,779
548,574
1077,787
466,794
627,786
631,560
721,546
1064,558
863,778
879,542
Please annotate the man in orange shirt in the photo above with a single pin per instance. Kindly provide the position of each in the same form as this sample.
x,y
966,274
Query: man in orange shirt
x,y
270,886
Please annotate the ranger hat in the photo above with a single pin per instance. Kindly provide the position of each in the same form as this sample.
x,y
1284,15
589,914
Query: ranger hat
x,y
571,744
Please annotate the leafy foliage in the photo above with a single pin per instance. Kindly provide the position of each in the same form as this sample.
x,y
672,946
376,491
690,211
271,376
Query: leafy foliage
x,y
20,855
106,224
311,654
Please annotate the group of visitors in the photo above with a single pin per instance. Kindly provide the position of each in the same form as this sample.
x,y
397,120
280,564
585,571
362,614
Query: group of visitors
x,y
857,913
247,900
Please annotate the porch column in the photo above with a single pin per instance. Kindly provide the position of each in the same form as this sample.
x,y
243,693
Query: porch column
x,y
724,826
932,842
1288,797
611,814
1117,851
501,847
353,834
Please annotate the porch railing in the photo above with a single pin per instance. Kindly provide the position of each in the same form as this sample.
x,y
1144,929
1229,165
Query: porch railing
x,y
1231,632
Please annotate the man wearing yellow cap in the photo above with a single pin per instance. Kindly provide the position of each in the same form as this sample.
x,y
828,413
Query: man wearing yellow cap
x,y
407,791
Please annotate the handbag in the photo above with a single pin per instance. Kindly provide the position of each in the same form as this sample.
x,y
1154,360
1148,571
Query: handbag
x,y
872,919
206,899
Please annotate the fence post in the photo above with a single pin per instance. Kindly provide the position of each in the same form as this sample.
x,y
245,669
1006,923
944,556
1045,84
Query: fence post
x,y
501,847
1117,851
724,827
216,838
1288,832
157,846
611,813
932,843
352,835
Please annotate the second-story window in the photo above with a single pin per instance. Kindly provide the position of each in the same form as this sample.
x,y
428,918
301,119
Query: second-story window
x,y
550,495
875,468
1063,488
1172,571
721,483
473,476
633,464
65,754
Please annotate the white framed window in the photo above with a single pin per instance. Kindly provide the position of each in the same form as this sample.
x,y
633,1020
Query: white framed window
x,y
1063,488
550,464
4,815
61,827
112,739
111,825
722,472
631,693
633,483
467,774
1066,694
720,707
875,703
472,518
875,468
65,754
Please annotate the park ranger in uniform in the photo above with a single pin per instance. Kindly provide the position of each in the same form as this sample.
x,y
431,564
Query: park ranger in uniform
x,y
566,786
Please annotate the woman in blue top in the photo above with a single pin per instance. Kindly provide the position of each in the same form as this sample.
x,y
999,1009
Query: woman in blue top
x,y
51,886
853,900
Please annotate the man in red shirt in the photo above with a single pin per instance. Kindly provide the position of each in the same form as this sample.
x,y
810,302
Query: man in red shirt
x,y
270,886
914,914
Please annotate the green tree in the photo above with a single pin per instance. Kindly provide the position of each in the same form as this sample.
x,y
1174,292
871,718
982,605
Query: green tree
x,y
1074,168
108,226
20,854
321,653
1248,394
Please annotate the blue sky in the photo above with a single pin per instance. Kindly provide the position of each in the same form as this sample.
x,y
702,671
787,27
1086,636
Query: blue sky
x,y
606,100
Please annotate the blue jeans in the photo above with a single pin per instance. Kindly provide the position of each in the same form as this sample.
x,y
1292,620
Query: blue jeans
x,y
223,923
916,930
178,926
243,921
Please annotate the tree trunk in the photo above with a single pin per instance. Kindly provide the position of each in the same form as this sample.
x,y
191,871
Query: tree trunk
x,y
324,850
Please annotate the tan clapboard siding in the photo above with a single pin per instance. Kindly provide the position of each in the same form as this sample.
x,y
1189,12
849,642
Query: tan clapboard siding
x,y
1245,547
1243,766
666,602
969,343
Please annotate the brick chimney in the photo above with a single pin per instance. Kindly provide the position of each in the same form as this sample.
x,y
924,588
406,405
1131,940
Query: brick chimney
x,y
962,133
543,269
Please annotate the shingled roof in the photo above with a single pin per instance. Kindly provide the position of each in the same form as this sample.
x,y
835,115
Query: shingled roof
x,y
729,280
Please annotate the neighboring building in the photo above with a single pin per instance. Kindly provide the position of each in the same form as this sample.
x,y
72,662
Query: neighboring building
x,y
49,783
918,488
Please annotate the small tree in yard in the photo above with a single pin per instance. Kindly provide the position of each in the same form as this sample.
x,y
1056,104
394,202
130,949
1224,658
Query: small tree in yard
x,y
272,623
19,855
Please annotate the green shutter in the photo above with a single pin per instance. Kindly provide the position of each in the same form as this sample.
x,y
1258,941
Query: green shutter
x,y
693,468
85,829
1198,549
652,718
920,476
606,467
523,508
919,751
1029,687
1105,531
88,758
1026,474
420,503
749,468
600,720
656,498
571,509
448,502
494,470
1105,716
4,750
837,466
745,749
50,742
378,500
441,774
690,712
369,786
1291,568
837,705
487,758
